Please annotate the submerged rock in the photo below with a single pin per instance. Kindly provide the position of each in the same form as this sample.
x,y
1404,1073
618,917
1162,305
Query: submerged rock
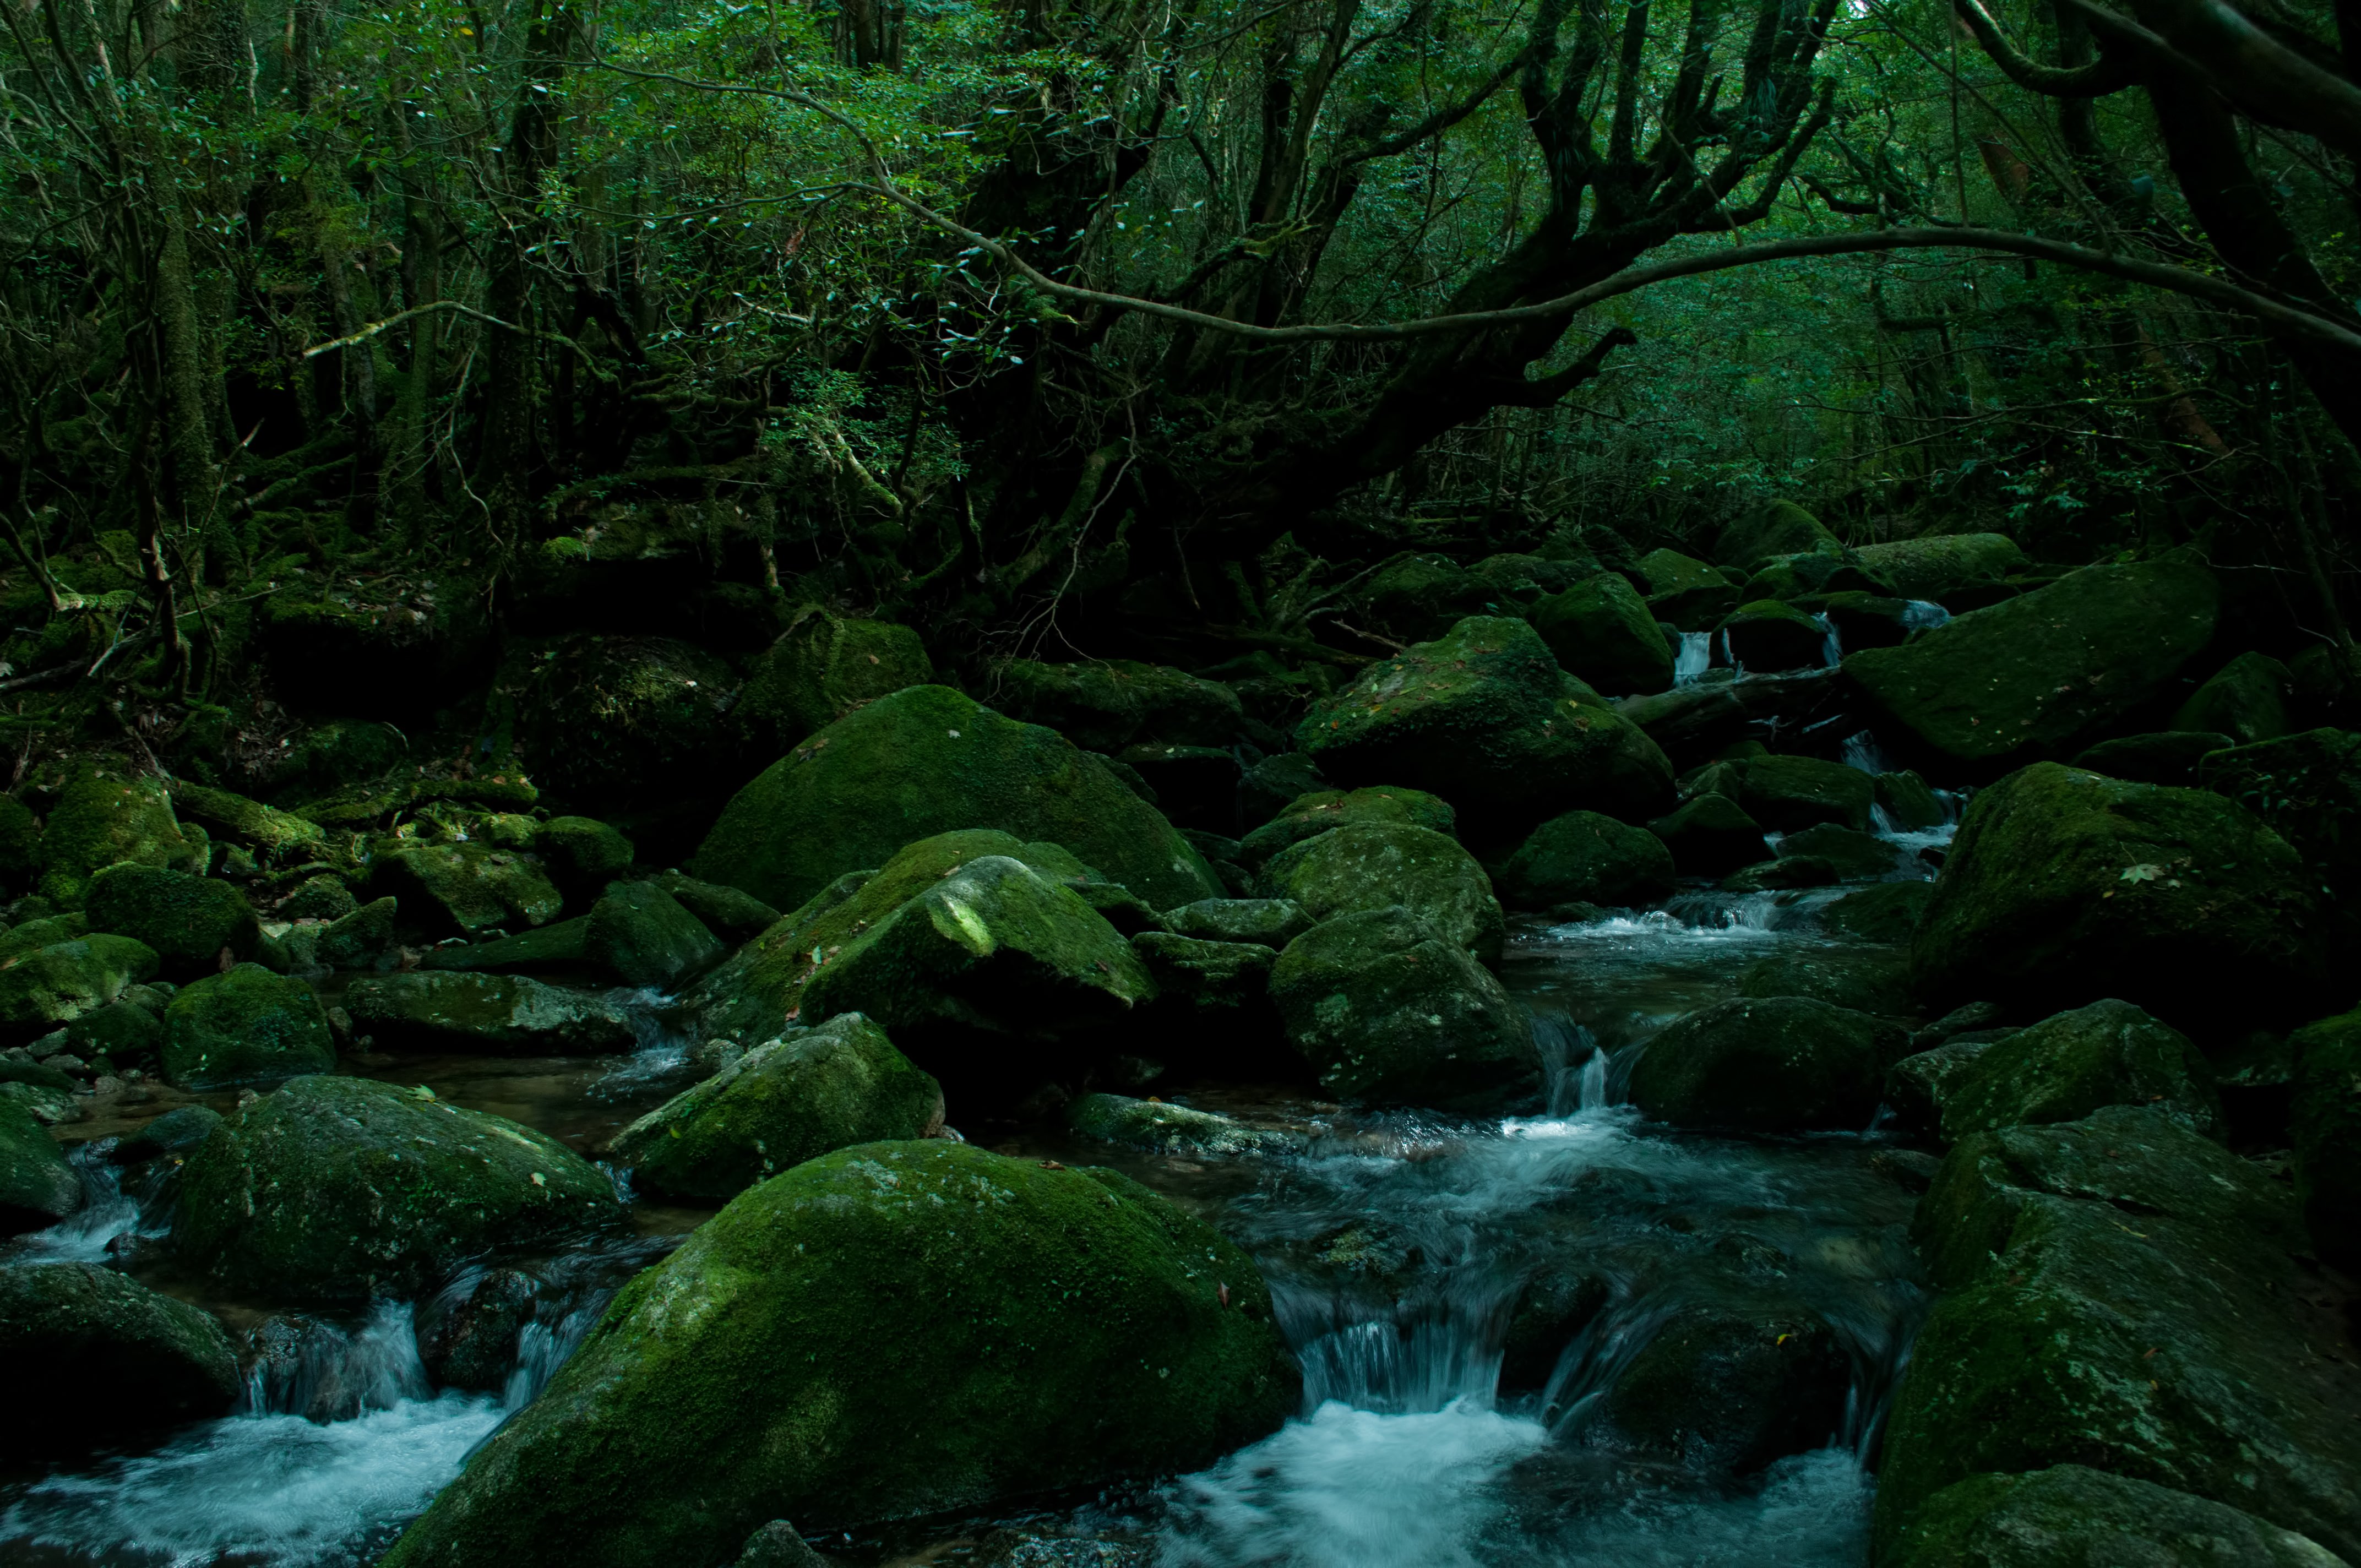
x,y
1732,1390
1049,1328
2068,1065
1585,857
795,1098
2069,1515
132,1363
1772,1064
340,1189
503,1015
248,1025
645,937
1377,865
190,921
1385,1008
929,761
38,1187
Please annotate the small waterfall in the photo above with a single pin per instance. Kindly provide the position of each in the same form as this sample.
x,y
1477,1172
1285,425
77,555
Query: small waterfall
x,y
311,1369
1427,1363
1574,1068
1591,1089
1862,752
1589,1367
1831,643
1922,614
1729,657
543,1348
90,1233
662,1051
1695,658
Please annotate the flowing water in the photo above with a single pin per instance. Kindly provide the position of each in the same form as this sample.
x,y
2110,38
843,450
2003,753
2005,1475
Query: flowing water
x,y
1463,1294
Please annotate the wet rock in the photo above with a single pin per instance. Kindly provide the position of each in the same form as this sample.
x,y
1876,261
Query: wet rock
x,y
1907,802
727,911
2169,758
2326,1129
1520,579
793,1099
1107,705
626,723
340,1189
1917,1086
1768,635
2246,700
2037,674
176,1132
1558,1301
1731,1390
247,1025
1889,912
777,1545
2069,1517
52,985
38,1187
1604,634
498,1014
1273,922
2068,1065
1142,1339
1375,865
1775,1064
1788,794
468,1332
1938,565
1871,983
1160,1127
1710,835
358,941
464,889
190,921
1857,856
1386,1009
1774,528
132,1362
823,668
1484,718
645,937
582,855
2064,886
99,821
2118,1293
927,760
1308,816
1584,857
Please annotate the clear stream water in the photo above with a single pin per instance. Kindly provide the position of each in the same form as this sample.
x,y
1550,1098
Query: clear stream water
x,y
1399,1248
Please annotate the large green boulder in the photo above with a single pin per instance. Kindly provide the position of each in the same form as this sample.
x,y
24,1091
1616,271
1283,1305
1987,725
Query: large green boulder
x,y
1789,794
2118,1292
247,1025
1223,986
891,1329
361,939
1310,815
1887,912
1106,705
730,913
1604,633
1684,590
38,1187
2065,886
538,952
1709,834
1272,922
582,855
824,667
2069,1515
2326,1128
626,723
139,1362
190,921
2035,675
793,1099
341,1188
1857,856
1375,865
99,820
643,936
1768,1064
1765,634
1584,857
486,1014
465,889
2068,1065
2246,700
1484,718
1419,596
1772,528
1385,1008
929,761
59,982
1864,981
1938,565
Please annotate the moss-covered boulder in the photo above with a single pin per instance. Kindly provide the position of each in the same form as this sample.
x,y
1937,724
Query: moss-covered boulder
x,y
643,936
1049,1328
1888,911
730,912
1310,815
38,1187
2035,675
1684,590
1272,922
929,761
494,1014
1907,802
138,1362
582,855
1768,635
1863,981
1709,834
59,982
464,889
100,820
1604,634
364,938
121,1034
1106,705
340,1189
626,723
1938,565
2326,1128
1789,794
190,921
2308,787
2166,757
1159,1126
1385,1008
824,667
2246,699
2065,886
2069,1515
793,1099
1857,856
275,836
248,1025
1214,1002
1585,857
1375,865
383,649
1917,1086
2068,1065
1417,597
1484,718
549,948
1768,1064
1772,528
1731,1390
